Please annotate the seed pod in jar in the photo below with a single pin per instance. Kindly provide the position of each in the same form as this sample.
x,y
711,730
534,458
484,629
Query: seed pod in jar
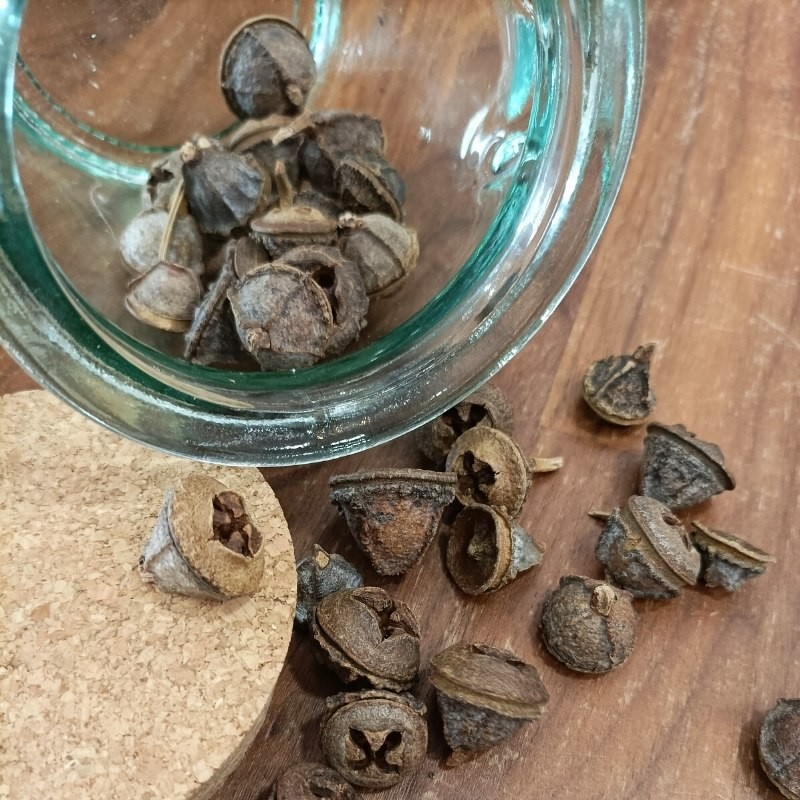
x,y
368,185
779,747
141,242
679,469
165,297
282,316
486,406
223,189
486,550
374,738
646,550
485,695
204,543
267,68
384,250
248,254
342,283
163,181
308,781
589,626
320,575
365,634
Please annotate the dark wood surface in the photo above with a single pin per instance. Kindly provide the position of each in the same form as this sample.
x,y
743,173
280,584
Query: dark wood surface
x,y
700,256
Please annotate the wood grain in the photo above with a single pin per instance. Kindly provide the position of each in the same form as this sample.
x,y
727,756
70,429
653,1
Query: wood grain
x,y
700,256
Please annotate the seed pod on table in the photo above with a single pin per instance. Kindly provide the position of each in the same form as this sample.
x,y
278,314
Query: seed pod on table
x,y
364,633
267,68
486,550
679,469
646,550
374,738
588,625
165,297
320,575
779,747
485,695
308,781
141,241
393,514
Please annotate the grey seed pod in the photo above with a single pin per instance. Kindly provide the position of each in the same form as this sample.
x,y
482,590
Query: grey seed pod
x,y
163,181
617,388
140,243
779,747
308,781
485,550
385,250
368,185
248,255
342,283
487,406
310,196
318,576
282,229
393,514
646,550
679,469
282,316
588,625
485,695
374,738
204,543
364,634
165,297
223,189
267,68
728,561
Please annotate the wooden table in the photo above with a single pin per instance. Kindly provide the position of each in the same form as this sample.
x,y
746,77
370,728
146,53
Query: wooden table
x,y
700,256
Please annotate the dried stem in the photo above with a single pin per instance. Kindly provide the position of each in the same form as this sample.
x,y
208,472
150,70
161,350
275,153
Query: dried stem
x,y
597,514
284,185
546,464
174,207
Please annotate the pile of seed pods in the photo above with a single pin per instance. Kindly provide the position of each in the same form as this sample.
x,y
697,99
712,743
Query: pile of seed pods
x,y
265,248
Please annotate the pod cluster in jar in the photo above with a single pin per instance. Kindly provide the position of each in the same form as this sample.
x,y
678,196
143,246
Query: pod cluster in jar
x,y
264,249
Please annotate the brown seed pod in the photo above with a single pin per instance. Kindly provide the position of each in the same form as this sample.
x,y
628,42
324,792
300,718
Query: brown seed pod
x,y
492,470
679,469
485,550
140,242
282,316
485,695
617,388
779,747
588,625
342,283
486,406
384,250
646,550
248,255
308,781
393,514
374,738
204,543
365,634
320,575
223,189
728,561
165,296
368,185
267,68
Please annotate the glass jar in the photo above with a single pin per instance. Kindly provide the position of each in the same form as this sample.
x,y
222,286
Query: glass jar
x,y
511,122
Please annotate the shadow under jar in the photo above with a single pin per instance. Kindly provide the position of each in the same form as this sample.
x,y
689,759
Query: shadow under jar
x,y
511,122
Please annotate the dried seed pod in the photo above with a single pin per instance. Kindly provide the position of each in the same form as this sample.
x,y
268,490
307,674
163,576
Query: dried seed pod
x,y
222,188
165,296
140,243
485,695
212,339
679,469
617,388
728,561
385,251
492,470
485,550
267,68
308,781
342,283
779,747
646,550
204,543
588,625
320,575
393,514
374,738
282,316
485,406
364,633
368,185
163,181
248,255
309,196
